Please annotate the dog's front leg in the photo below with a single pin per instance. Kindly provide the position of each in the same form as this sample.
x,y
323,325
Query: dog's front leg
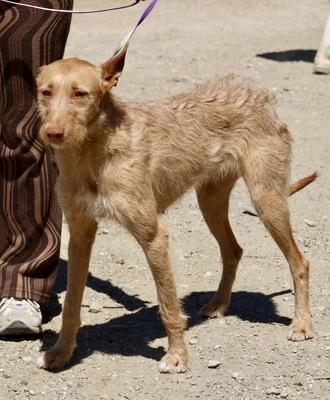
x,y
82,234
156,250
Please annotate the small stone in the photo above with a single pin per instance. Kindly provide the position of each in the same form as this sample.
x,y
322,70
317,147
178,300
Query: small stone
x,y
95,307
132,266
235,375
309,222
249,209
213,364
273,390
193,341
284,393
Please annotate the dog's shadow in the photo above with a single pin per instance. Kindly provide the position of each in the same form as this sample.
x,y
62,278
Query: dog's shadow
x,y
134,334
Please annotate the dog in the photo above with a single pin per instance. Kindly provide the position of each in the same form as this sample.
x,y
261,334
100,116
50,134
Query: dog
x,y
129,162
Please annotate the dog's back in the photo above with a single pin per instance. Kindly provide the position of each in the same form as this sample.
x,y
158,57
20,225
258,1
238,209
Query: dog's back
x,y
224,127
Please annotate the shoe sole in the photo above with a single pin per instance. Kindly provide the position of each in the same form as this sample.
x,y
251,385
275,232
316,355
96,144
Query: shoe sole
x,y
321,70
19,328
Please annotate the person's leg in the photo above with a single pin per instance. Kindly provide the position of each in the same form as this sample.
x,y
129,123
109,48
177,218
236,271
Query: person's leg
x,y
30,219
322,58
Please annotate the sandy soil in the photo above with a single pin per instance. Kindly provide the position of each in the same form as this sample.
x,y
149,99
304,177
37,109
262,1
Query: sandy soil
x,y
245,355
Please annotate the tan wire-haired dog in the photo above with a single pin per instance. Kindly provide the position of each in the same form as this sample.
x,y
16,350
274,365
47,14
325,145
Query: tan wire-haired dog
x,y
129,162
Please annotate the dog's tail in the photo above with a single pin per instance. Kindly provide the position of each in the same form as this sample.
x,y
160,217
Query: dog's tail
x,y
296,186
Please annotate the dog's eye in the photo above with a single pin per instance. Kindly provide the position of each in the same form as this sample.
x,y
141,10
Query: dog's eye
x,y
80,95
46,93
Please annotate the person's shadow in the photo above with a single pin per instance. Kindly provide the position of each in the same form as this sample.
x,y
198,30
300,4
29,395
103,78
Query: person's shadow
x,y
132,334
290,55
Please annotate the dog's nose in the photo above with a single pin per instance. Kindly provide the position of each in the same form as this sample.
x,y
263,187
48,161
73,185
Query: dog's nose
x,y
55,132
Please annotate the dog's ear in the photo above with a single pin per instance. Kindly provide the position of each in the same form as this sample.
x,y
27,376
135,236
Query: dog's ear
x,y
112,69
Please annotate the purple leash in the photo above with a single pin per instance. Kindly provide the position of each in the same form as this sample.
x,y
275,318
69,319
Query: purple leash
x,y
127,38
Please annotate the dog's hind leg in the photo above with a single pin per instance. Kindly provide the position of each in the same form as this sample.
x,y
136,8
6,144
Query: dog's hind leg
x,y
213,200
269,196
82,234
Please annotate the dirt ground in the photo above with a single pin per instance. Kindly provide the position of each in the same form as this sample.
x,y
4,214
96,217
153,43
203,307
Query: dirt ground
x,y
246,354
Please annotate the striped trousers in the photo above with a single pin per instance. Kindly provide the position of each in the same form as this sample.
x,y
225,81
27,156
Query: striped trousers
x,y
30,219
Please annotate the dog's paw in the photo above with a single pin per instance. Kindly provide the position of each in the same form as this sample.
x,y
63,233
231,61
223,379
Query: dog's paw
x,y
212,310
53,359
171,363
300,330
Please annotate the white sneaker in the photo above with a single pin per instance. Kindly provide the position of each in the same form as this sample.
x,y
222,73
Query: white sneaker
x,y
322,58
321,63
19,317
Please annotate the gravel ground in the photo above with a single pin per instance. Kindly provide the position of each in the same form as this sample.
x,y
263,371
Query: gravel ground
x,y
246,354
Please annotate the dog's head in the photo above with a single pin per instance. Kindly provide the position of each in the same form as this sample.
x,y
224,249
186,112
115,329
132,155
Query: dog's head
x,y
70,95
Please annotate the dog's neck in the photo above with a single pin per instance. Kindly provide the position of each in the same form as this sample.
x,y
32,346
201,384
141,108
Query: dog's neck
x,y
112,112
